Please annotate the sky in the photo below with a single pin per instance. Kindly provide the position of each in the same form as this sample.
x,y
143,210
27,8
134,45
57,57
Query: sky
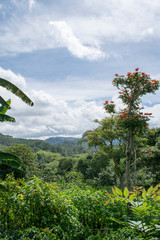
x,y
64,53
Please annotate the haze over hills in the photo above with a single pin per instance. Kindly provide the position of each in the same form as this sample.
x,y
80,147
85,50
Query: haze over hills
x,y
7,140
62,140
63,145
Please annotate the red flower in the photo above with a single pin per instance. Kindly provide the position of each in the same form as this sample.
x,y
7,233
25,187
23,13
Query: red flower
x,y
122,76
89,137
136,69
146,127
116,74
128,74
106,102
111,101
150,153
96,141
154,133
125,109
155,81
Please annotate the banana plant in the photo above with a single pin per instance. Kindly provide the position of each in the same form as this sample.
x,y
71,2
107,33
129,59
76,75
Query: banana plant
x,y
5,105
6,158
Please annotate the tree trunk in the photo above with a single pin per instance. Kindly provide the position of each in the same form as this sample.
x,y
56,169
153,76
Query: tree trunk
x,y
128,159
135,168
121,180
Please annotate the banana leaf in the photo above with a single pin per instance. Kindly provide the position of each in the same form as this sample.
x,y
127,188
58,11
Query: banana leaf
x,y
11,160
15,90
6,118
5,105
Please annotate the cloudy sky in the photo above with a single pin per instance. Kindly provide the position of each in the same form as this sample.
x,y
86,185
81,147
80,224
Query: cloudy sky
x,y
64,53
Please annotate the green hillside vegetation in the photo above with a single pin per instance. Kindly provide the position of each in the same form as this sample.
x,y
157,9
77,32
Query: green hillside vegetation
x,y
65,146
101,187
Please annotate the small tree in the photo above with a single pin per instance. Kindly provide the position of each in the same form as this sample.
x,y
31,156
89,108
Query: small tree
x,y
109,137
131,118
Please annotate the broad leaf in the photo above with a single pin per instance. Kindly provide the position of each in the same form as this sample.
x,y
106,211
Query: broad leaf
x,y
11,160
15,90
144,193
119,192
5,105
149,191
6,118
126,192
132,196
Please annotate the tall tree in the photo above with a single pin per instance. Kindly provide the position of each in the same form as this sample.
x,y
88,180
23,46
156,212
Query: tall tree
x,y
131,118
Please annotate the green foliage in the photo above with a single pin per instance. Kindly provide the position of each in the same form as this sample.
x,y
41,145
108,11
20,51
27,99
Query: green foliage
x,y
36,204
65,165
6,159
144,208
110,138
37,210
26,158
15,90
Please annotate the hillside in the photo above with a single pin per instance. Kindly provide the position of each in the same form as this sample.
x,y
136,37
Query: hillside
x,y
62,140
62,145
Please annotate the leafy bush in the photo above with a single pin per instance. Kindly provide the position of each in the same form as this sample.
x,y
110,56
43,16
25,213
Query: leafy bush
x,y
37,210
36,204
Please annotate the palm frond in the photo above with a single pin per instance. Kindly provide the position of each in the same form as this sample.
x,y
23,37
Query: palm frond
x,y
15,90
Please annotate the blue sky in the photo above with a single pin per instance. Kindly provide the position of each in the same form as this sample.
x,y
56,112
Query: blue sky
x,y
64,55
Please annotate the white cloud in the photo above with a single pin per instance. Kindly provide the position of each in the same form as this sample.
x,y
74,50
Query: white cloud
x,y
77,88
49,116
117,21
52,116
83,31
155,119
16,79
31,4
66,38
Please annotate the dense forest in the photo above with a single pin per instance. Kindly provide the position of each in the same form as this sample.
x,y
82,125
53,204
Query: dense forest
x,y
105,185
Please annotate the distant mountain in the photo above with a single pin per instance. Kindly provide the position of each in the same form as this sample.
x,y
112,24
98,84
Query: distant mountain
x,y
62,140
66,146
35,144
